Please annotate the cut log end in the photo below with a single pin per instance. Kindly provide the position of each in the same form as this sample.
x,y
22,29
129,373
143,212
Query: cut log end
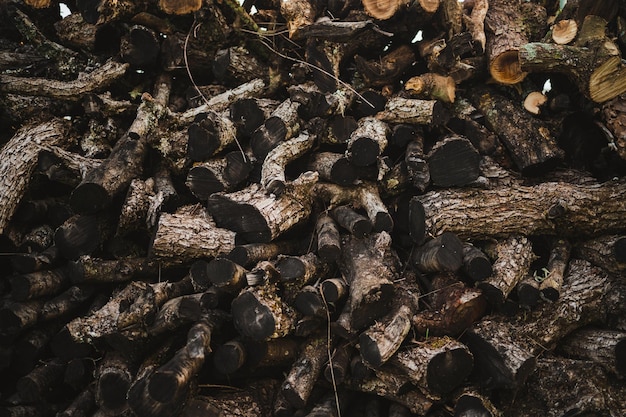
x,y
534,102
180,7
564,31
242,218
364,151
89,198
382,10
162,386
448,369
252,318
506,68
112,389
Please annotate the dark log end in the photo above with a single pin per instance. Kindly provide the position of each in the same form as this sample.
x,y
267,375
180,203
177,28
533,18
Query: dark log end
x,y
494,295
447,370
620,357
276,129
203,141
551,294
417,221
528,295
251,318
369,350
469,405
309,302
221,271
242,218
333,289
341,127
78,236
441,114
162,386
202,182
20,287
247,115
478,268
378,302
238,167
229,357
369,103
290,268
363,152
383,222
343,172
89,198
454,163
199,275
619,249
112,389
261,143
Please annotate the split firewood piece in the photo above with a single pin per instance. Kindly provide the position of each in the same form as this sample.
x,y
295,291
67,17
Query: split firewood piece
x,y
65,303
179,7
226,275
357,224
367,142
170,383
443,253
259,217
416,164
530,142
176,312
502,46
557,263
283,124
299,383
512,259
381,341
613,115
100,185
237,64
210,133
439,364
93,270
219,174
98,79
298,14
416,111
393,385
328,238
221,102
589,390
602,79
260,314
369,266
608,252
113,380
471,402
82,405
364,196
252,253
607,348
476,264
187,236
19,156
453,161
453,308
42,382
38,284
432,86
273,171
250,113
255,399
388,68
547,208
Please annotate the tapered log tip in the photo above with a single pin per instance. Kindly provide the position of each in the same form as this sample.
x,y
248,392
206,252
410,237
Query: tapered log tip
x,y
251,318
89,198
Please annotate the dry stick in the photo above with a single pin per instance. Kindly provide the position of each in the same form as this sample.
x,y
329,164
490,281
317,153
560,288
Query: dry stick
x,y
19,159
551,285
92,270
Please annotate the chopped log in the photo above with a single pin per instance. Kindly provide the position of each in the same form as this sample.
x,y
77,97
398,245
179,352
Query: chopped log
x,y
37,239
75,32
365,196
237,64
333,167
412,110
471,402
439,364
20,156
273,171
229,357
92,270
177,312
453,308
250,113
68,301
386,69
476,264
530,142
475,22
607,348
512,259
443,253
598,72
328,238
30,348
101,184
81,406
304,372
380,341
140,47
114,377
557,263
24,263
226,275
453,161
308,300
18,316
259,314
280,353
81,234
367,141
41,382
357,224
252,253
369,267
210,133
572,210
608,252
79,373
432,86
258,217
187,236
334,289
298,14
297,271
613,115
219,174
134,213
338,366
283,124
528,292
416,164
37,284
332,404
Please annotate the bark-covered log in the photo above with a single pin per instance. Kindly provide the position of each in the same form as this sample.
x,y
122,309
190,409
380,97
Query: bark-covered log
x,y
82,406
210,133
355,223
608,252
219,174
476,264
614,116
333,167
92,270
226,275
177,312
546,208
283,124
252,253
41,382
237,64
432,86
471,402
453,161
328,238
421,112
258,217
38,284
557,263
386,69
367,141
443,253
250,113
18,316
114,376
79,373
604,347
65,303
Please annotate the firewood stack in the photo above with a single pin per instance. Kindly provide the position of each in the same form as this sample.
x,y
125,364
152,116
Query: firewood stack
x,y
313,208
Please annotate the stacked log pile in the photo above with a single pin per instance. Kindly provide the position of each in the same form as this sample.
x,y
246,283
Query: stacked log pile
x,y
313,208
